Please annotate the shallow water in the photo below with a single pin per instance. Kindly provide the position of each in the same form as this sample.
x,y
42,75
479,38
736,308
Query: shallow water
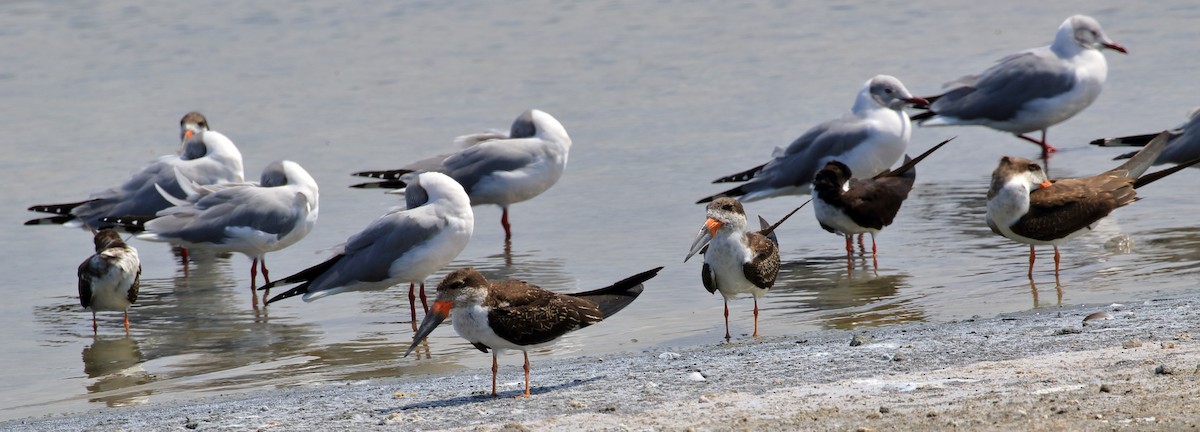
x,y
659,98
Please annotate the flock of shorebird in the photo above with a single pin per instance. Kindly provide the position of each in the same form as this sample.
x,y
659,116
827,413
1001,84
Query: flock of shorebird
x,y
199,200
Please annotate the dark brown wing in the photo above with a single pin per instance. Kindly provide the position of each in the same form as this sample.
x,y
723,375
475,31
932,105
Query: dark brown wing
x,y
762,269
1070,205
135,286
527,315
874,203
706,276
86,273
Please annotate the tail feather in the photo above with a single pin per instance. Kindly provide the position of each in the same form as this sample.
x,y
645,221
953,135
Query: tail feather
x,y
613,298
53,220
735,192
389,184
742,176
1136,165
299,289
1150,178
1130,141
305,275
132,224
60,209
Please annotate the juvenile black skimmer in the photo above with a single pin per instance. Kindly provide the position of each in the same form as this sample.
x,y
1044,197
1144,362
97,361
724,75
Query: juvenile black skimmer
x,y
1030,90
869,138
847,205
404,245
495,167
517,315
1024,205
205,157
249,218
1183,142
736,262
109,280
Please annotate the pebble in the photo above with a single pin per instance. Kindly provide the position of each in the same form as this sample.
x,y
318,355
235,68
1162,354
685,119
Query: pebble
x,y
899,357
1164,370
860,340
1097,316
884,410
1132,343
695,376
669,355
1105,388
1167,345
576,404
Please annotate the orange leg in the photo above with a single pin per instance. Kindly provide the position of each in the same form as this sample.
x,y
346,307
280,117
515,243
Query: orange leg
x,y
1046,148
861,247
1057,258
726,320
756,317
495,369
507,227
95,328
1032,257
874,252
127,323
253,273
526,374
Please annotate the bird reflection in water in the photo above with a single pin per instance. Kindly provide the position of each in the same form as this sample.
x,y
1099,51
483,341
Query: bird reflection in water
x,y
1057,287
850,300
116,364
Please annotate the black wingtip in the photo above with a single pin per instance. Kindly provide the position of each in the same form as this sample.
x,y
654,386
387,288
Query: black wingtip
x,y
613,298
302,289
1150,178
390,184
53,220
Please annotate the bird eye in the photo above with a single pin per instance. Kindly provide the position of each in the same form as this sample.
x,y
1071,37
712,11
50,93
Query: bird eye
x,y
1035,167
727,207
888,91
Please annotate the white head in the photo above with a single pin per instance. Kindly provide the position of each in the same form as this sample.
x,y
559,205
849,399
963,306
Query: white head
x,y
542,125
1082,32
888,92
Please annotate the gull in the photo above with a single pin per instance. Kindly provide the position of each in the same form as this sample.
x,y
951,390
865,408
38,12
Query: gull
x,y
1183,142
205,157
249,218
1032,89
736,262
403,245
847,205
517,315
870,138
497,168
1025,206
109,280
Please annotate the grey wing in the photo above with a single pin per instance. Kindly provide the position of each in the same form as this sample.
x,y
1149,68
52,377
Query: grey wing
x,y
473,163
137,196
270,210
1185,142
799,163
368,255
1000,91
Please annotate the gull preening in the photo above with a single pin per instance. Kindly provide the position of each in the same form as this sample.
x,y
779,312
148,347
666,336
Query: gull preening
x,y
205,157
1033,89
869,139
497,168
109,279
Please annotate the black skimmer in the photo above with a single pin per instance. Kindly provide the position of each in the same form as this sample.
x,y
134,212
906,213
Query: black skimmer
x,y
249,218
1183,142
1030,90
1024,205
736,262
497,168
206,157
404,245
517,315
109,280
846,205
869,138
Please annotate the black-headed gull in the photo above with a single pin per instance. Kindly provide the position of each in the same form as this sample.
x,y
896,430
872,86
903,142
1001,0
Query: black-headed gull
x,y
403,245
498,168
109,279
869,139
206,157
517,315
1030,90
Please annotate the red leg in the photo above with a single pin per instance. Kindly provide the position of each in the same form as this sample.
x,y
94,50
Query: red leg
x,y
253,273
504,222
266,276
412,301
424,301
756,317
95,328
1046,148
874,252
526,374
1032,257
860,244
126,323
849,246
183,256
726,320
495,369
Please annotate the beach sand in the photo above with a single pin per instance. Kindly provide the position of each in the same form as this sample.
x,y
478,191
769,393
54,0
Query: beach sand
x,y
1138,369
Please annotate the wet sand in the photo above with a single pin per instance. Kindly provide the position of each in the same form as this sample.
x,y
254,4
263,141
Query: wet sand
x,y
1139,369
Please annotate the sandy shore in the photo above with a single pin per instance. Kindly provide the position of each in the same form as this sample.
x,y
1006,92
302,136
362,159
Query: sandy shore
x,y
1045,370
